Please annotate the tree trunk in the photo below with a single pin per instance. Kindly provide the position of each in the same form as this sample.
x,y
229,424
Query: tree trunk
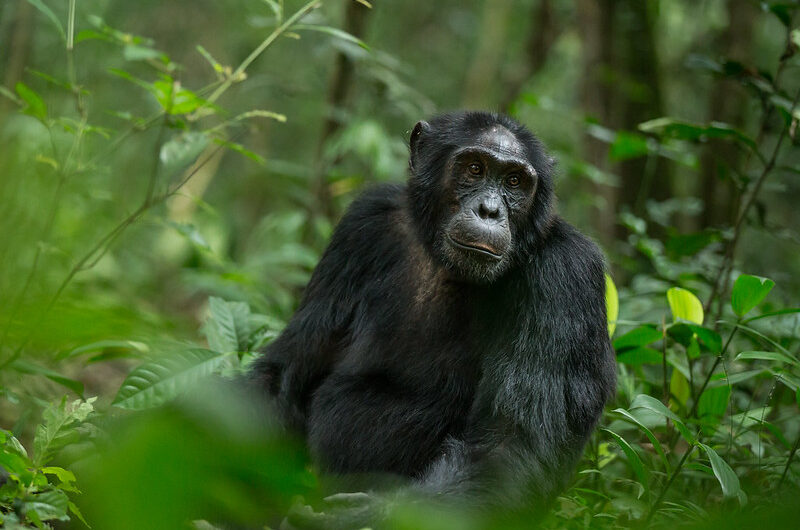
x,y
727,104
596,24
339,88
482,76
543,33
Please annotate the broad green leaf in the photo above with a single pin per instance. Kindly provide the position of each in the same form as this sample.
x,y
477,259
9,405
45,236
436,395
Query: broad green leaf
x,y
175,99
642,355
48,505
228,326
748,292
627,145
612,305
725,475
633,459
690,244
34,105
158,381
679,387
650,403
64,475
57,427
647,432
685,305
640,336
767,356
46,11
714,401
181,151
710,338
797,396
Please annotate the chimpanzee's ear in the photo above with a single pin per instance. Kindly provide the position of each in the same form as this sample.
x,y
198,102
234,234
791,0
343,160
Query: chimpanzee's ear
x,y
415,141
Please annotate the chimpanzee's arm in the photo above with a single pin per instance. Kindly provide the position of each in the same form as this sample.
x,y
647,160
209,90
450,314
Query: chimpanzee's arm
x,y
296,363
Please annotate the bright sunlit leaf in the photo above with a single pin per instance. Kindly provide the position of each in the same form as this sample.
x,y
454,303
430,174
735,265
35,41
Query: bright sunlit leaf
x,y
612,305
685,305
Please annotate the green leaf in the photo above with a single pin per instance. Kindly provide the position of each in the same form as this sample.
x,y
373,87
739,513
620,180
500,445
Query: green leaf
x,y
714,401
181,151
767,356
612,305
228,327
27,367
242,150
685,305
34,104
641,355
47,506
640,336
46,11
175,99
679,387
331,31
132,52
647,432
650,403
797,397
733,379
57,427
725,475
158,381
103,345
771,314
627,145
748,292
633,459
191,233
673,128
690,244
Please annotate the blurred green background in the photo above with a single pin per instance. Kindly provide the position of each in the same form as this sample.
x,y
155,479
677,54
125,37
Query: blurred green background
x,y
171,171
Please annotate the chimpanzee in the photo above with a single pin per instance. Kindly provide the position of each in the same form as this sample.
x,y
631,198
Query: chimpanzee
x,y
454,331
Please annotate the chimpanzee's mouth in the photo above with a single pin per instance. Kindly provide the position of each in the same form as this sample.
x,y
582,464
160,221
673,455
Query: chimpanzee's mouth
x,y
481,248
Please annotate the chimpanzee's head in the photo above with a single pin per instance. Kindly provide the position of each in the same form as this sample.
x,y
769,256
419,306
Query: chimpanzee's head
x,y
480,192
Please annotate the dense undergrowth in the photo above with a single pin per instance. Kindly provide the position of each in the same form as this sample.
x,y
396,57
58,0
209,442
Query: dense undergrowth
x,y
94,349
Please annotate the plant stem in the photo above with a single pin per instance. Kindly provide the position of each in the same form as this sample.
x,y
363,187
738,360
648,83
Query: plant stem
x,y
789,461
663,493
727,261
718,360
238,73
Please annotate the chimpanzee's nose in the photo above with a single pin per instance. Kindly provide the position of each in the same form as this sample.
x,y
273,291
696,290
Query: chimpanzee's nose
x,y
489,208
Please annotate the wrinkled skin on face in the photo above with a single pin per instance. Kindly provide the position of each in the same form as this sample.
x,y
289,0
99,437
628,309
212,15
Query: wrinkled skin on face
x,y
490,185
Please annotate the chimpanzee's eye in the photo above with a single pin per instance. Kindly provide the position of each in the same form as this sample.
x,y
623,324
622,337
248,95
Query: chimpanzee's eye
x,y
475,168
513,180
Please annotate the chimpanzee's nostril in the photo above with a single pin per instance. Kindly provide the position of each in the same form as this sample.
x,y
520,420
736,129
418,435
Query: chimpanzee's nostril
x,y
491,211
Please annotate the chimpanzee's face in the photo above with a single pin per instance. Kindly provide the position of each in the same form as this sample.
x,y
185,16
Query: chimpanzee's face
x,y
488,186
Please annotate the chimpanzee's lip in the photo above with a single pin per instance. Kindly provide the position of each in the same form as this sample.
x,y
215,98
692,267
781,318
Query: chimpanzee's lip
x,y
477,247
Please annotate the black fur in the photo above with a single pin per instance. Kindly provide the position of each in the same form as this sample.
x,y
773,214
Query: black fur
x,y
479,384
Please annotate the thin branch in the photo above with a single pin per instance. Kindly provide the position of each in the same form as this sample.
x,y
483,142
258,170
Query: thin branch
x,y
238,74
711,373
789,462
